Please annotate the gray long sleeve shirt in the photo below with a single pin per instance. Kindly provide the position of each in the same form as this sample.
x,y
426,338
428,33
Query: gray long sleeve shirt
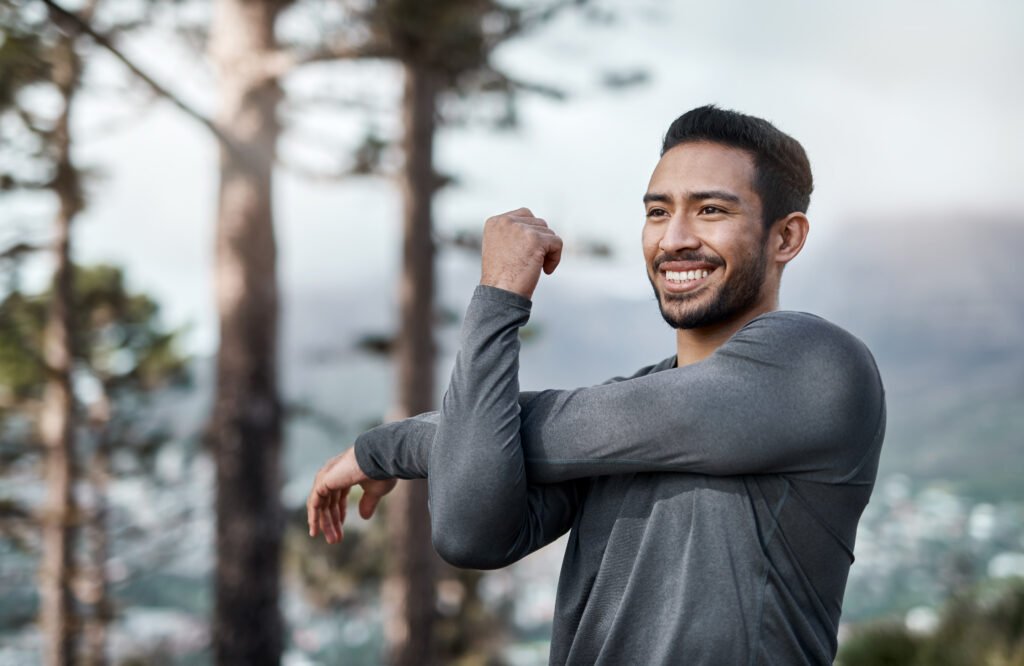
x,y
712,507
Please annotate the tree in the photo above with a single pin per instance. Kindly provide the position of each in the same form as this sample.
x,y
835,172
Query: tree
x,y
444,48
45,336
58,58
126,355
976,626
245,424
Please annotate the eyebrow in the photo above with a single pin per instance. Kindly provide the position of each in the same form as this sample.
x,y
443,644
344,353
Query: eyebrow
x,y
693,197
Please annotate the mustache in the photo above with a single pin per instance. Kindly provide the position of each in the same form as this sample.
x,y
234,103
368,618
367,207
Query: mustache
x,y
690,255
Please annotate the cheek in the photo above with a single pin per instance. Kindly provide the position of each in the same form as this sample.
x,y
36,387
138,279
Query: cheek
x,y
649,241
733,246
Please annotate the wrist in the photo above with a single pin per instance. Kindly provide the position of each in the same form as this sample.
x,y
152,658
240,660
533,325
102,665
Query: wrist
x,y
352,463
508,285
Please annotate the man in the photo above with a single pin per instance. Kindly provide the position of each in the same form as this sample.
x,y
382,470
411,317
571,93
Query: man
x,y
712,498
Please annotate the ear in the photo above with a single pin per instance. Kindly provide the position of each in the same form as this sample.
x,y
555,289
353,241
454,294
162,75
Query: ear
x,y
788,236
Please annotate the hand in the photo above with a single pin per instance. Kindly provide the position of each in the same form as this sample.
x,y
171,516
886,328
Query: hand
x,y
516,246
325,508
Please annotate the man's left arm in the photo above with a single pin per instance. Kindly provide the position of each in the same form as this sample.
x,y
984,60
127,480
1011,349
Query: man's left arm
x,y
788,393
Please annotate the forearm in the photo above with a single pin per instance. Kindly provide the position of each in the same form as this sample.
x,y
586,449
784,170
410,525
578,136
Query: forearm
x,y
401,449
478,489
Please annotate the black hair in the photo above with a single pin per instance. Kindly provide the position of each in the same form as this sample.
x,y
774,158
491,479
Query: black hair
x,y
783,173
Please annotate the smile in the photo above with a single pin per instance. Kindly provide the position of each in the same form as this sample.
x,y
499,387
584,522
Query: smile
x,y
685,276
677,282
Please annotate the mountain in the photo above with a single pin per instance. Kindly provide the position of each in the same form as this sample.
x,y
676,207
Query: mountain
x,y
940,302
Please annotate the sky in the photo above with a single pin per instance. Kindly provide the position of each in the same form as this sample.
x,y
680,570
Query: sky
x,y
906,110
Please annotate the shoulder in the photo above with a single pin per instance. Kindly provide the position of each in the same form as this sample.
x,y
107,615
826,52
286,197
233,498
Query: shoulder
x,y
809,339
831,364
799,324
821,361
830,378
663,364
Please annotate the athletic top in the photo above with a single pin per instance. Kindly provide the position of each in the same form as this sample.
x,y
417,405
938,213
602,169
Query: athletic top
x,y
712,507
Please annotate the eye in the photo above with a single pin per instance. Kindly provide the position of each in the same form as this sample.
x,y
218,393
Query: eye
x,y
656,212
711,210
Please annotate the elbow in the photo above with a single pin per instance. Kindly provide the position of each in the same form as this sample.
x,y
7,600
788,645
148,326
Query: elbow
x,y
465,552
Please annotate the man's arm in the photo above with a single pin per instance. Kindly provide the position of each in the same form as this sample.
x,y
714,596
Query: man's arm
x,y
551,508
789,393
483,513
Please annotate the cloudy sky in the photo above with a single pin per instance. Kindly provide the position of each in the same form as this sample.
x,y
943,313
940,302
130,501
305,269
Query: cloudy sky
x,y
906,109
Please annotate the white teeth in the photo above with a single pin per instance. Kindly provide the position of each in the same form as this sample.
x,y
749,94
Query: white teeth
x,y
685,276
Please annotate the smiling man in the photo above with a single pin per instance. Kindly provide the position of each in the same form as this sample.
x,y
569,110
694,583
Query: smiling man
x,y
711,498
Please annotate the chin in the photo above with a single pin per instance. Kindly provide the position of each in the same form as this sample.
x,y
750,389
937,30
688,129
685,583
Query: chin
x,y
686,312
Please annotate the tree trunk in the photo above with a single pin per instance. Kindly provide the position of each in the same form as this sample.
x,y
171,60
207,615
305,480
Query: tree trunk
x,y
96,594
245,427
411,587
57,414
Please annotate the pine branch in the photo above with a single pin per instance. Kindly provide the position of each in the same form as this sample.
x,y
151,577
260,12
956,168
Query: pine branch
x,y
9,182
18,249
83,26
284,61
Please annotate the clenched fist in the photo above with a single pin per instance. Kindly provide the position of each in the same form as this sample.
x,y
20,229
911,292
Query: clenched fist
x,y
516,247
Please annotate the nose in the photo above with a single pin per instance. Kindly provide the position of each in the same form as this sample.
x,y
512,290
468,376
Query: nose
x,y
678,236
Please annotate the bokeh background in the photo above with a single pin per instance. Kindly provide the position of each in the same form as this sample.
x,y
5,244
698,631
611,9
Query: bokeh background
x,y
234,235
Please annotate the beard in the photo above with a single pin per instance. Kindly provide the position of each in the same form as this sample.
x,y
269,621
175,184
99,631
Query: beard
x,y
729,300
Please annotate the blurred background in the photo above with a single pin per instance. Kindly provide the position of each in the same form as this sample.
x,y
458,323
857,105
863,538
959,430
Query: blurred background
x,y
235,234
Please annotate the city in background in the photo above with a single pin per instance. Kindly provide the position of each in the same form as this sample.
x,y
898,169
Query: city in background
x,y
148,225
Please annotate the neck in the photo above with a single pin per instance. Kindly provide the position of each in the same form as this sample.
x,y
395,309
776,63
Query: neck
x,y
696,344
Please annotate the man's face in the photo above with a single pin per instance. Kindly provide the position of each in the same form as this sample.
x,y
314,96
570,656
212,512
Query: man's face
x,y
703,239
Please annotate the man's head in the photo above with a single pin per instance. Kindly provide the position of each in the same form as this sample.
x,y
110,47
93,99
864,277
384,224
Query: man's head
x,y
725,212
782,172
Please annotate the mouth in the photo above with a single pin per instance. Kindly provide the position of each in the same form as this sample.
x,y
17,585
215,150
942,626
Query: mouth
x,y
684,281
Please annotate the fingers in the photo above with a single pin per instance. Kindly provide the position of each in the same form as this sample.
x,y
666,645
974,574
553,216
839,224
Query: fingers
x,y
368,504
314,505
337,514
516,248
326,515
553,255
325,524
518,212
326,509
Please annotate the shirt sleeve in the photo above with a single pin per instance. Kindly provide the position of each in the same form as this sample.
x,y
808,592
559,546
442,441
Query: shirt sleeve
x,y
789,393
484,514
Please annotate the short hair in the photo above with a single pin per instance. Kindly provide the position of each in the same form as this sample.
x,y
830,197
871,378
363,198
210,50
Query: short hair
x,y
783,173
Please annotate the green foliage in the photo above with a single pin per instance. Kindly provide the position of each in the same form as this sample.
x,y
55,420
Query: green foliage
x,y
21,372
985,627
886,644
120,336
456,41
448,35
119,339
21,55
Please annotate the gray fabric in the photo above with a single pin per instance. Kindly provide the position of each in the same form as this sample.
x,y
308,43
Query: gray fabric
x,y
712,507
